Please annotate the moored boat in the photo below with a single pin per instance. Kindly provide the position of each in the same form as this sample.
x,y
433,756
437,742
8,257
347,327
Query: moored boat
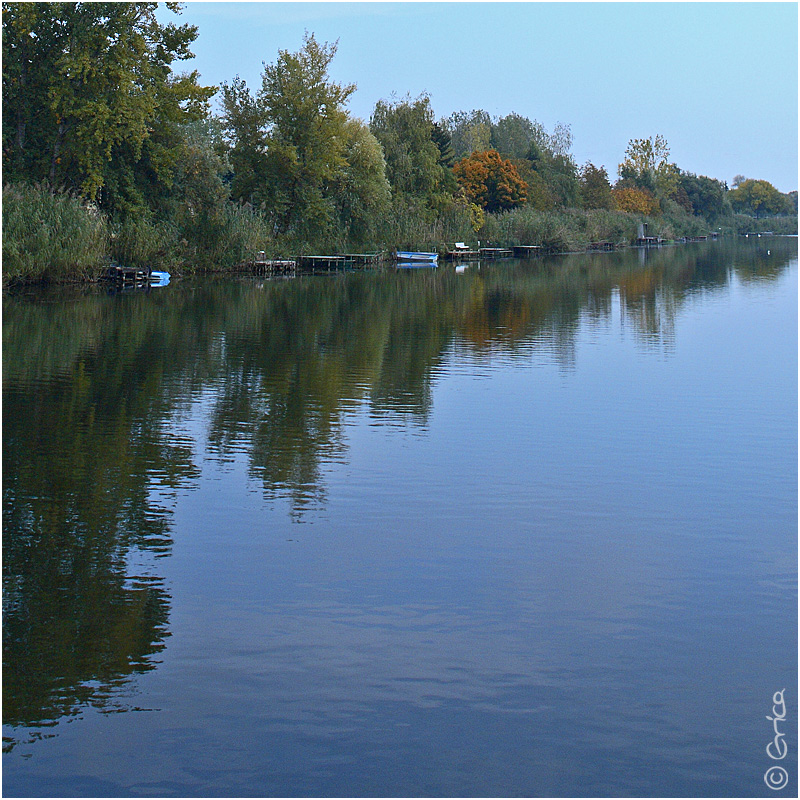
x,y
158,278
410,255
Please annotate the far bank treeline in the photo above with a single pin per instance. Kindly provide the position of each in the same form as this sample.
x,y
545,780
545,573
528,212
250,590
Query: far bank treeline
x,y
110,153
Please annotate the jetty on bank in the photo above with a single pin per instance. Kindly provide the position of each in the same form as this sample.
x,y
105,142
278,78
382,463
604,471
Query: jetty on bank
x,y
261,265
339,262
116,273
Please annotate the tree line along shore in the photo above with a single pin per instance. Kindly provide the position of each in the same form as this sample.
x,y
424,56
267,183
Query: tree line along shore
x,y
110,155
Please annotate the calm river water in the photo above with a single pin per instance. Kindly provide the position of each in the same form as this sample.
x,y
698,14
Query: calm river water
x,y
523,529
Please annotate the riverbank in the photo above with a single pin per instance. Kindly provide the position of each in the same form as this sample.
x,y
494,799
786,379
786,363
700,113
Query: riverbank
x,y
52,237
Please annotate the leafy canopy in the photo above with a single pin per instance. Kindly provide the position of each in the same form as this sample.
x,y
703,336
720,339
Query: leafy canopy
x,y
289,143
757,197
646,166
595,187
490,181
635,201
415,163
89,98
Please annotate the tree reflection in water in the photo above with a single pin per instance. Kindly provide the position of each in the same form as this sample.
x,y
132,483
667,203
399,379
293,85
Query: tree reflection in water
x,y
93,389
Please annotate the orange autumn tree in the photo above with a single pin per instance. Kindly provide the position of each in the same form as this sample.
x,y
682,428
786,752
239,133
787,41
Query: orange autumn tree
x,y
491,181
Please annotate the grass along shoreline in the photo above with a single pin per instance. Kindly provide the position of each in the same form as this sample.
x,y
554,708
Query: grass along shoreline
x,y
54,237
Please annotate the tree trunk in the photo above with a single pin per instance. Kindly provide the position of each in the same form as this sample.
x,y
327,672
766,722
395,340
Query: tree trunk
x,y
21,111
56,152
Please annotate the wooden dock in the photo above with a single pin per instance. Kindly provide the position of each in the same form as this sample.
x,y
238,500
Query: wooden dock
x,y
126,275
605,247
261,265
462,255
364,259
268,266
649,241
527,250
321,263
492,253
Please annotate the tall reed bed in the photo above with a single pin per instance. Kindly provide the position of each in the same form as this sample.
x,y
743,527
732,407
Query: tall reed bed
x,y
559,231
573,229
218,242
741,223
144,243
50,236
413,226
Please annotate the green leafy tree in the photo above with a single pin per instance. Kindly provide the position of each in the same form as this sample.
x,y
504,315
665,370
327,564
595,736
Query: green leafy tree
x,y
539,194
595,187
647,166
757,197
443,140
361,190
243,128
305,118
512,135
414,161
196,202
90,101
558,171
295,152
643,156
559,142
706,196
470,131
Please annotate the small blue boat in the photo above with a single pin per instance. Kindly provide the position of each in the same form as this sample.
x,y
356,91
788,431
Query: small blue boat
x,y
410,255
159,278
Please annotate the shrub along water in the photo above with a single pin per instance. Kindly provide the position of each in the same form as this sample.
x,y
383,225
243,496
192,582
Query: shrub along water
x,y
50,236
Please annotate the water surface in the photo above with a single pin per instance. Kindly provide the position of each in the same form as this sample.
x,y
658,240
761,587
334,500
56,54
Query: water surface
x,y
522,529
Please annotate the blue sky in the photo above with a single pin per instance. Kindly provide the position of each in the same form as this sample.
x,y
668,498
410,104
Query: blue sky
x,y
718,80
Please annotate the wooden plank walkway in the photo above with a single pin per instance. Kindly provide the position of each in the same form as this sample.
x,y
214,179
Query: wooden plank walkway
x,y
462,255
364,259
126,275
270,266
326,263
527,250
491,253
604,246
260,265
